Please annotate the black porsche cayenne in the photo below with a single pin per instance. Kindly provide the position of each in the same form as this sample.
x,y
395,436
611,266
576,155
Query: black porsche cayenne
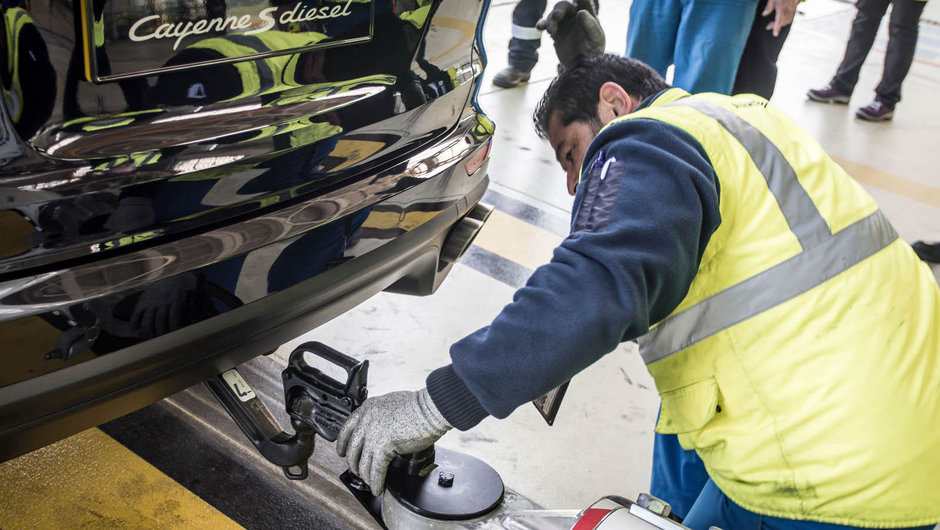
x,y
186,184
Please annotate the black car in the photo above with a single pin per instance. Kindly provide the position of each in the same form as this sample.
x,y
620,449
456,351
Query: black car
x,y
187,184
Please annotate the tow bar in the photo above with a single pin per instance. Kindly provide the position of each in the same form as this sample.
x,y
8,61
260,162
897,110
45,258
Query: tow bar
x,y
317,405
434,488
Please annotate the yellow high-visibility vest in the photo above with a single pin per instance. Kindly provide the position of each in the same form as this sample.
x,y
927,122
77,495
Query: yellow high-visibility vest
x,y
803,365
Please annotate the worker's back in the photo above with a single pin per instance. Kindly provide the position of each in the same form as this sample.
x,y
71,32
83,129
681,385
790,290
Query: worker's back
x,y
804,363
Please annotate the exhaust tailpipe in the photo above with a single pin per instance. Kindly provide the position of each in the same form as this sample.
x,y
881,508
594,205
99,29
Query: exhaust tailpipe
x,y
464,232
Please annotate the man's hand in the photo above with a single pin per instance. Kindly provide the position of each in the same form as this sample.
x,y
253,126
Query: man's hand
x,y
783,10
574,28
392,424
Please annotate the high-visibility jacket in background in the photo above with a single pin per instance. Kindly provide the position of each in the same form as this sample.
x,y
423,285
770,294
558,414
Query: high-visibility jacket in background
x,y
803,365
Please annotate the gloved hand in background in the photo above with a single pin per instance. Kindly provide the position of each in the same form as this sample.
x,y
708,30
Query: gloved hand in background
x,y
392,424
575,29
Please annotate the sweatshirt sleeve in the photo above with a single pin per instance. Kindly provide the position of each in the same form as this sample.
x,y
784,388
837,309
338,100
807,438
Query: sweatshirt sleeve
x,y
641,222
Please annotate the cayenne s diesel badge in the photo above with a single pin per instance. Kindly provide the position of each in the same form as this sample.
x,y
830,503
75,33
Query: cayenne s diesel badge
x,y
124,38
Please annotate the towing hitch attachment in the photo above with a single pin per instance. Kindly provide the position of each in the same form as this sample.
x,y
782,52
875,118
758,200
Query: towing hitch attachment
x,y
316,403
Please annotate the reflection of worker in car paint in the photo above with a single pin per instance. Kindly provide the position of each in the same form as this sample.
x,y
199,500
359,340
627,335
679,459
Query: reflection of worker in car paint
x,y
68,221
132,89
215,9
27,74
239,79
188,298
114,322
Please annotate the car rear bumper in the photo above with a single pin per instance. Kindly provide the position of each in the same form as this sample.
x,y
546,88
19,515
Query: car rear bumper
x,y
405,256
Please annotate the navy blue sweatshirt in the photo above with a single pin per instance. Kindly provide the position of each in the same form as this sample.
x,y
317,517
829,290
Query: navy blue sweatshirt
x,y
644,210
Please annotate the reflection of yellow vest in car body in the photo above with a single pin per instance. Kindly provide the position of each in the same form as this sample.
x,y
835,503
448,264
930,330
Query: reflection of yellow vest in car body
x,y
263,76
803,365
417,17
15,19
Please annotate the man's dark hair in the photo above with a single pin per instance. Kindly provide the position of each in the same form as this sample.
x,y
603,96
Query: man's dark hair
x,y
574,93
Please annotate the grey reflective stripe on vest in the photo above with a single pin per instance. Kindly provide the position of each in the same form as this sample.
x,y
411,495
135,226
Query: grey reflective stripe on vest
x,y
824,255
265,75
770,288
798,209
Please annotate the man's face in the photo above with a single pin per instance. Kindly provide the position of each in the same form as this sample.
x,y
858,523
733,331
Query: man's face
x,y
570,143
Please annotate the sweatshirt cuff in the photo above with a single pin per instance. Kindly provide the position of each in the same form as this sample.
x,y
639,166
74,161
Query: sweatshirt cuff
x,y
453,399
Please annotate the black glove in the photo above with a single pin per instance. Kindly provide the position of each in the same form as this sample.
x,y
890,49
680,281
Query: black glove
x,y
160,308
132,213
575,29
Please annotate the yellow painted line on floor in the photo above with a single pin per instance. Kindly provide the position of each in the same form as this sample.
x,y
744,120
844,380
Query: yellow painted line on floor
x,y
917,191
91,481
517,240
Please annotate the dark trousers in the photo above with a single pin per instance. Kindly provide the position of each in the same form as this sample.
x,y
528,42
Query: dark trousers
x,y
902,39
524,45
757,72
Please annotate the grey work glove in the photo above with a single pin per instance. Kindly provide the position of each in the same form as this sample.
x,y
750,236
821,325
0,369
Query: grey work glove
x,y
392,424
575,29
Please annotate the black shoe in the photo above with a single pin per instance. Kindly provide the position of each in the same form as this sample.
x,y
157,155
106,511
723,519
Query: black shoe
x,y
510,77
929,252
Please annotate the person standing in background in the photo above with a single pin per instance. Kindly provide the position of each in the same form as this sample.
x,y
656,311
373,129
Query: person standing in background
x,y
902,39
757,71
524,44
527,33
703,39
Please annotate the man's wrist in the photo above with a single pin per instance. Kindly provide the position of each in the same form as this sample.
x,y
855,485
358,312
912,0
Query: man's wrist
x,y
453,399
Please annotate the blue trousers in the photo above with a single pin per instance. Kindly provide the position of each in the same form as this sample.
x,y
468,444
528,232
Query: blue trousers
x,y
714,508
679,478
703,38
678,475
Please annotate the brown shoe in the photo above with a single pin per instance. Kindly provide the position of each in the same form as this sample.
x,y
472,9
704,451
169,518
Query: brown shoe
x,y
827,94
510,77
875,111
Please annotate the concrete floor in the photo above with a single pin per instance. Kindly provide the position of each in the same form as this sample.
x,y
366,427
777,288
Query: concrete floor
x,y
602,440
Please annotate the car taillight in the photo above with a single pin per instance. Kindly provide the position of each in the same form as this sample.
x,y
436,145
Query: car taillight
x,y
477,160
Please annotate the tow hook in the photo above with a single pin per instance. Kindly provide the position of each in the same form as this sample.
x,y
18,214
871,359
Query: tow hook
x,y
317,405
433,484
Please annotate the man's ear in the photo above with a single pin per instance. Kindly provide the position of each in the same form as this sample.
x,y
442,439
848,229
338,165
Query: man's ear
x,y
613,101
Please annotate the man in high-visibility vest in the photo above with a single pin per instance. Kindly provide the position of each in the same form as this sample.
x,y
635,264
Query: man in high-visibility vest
x,y
791,334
